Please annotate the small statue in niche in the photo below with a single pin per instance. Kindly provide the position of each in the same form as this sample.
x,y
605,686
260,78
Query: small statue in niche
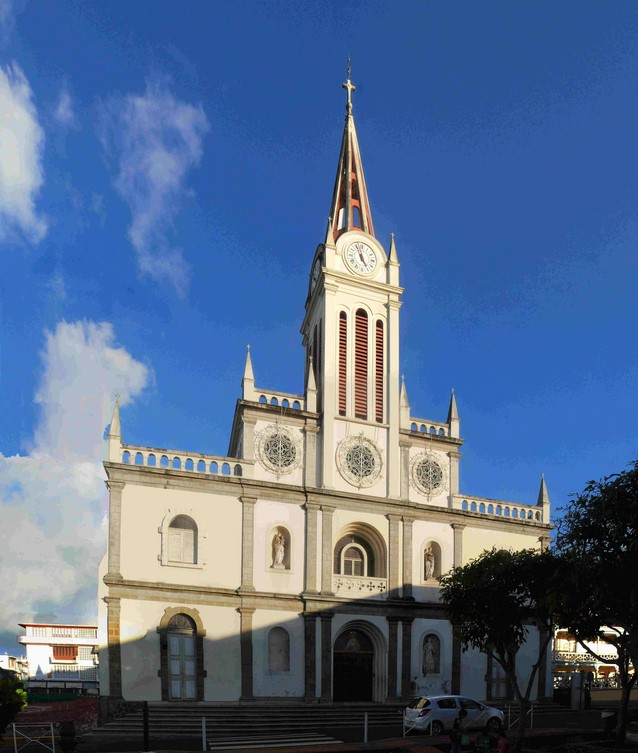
x,y
279,550
430,562
431,655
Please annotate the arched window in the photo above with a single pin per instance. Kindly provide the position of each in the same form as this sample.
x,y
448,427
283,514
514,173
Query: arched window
x,y
378,374
278,650
354,556
182,540
361,364
343,361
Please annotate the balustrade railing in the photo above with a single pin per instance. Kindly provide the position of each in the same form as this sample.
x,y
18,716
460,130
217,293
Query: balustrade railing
x,y
498,508
183,461
359,586
431,428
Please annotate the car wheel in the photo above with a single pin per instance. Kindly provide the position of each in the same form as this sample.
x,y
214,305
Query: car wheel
x,y
437,728
493,724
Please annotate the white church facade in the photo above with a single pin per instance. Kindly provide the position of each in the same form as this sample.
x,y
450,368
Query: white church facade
x,y
303,565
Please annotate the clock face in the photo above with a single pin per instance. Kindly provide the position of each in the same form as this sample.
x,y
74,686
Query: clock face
x,y
314,275
361,258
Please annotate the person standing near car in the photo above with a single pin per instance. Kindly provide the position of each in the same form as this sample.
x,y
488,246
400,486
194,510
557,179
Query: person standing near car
x,y
456,733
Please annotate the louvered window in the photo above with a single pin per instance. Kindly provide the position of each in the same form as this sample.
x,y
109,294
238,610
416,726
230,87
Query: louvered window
x,y
65,653
361,364
182,540
343,361
378,376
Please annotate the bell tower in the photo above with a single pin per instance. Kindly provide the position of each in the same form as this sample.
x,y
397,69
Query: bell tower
x,y
351,336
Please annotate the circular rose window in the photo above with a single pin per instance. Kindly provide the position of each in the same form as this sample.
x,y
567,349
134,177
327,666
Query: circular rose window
x,y
278,450
427,474
359,460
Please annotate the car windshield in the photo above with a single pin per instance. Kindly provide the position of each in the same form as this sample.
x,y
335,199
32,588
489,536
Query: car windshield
x,y
419,703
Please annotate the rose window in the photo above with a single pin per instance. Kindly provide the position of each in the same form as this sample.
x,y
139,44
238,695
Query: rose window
x,y
427,474
280,451
359,460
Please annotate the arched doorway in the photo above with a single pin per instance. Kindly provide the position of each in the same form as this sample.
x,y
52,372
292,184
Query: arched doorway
x,y
353,667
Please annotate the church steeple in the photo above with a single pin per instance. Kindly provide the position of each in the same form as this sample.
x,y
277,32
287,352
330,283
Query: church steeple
x,y
350,208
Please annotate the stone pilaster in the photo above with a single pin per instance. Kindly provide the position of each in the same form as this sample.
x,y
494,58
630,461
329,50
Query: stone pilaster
x,y
247,542
405,469
310,453
114,647
393,631
326,656
454,456
544,542
246,648
327,512
456,665
393,565
458,543
310,657
115,527
248,439
406,657
312,516
407,557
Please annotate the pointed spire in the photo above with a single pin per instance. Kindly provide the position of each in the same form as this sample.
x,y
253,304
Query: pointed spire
x,y
393,251
114,428
248,382
311,388
114,437
543,496
404,406
330,237
350,207
453,417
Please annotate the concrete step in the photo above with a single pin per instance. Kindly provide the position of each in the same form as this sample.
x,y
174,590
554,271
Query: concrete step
x,y
271,741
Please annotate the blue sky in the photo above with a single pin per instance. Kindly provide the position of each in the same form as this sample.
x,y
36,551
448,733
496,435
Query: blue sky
x,y
165,176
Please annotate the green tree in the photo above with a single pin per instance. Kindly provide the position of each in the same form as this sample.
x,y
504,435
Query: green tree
x,y
13,699
597,542
493,602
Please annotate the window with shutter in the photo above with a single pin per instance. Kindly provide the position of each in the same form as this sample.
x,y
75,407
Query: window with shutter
x,y
343,361
378,377
361,364
182,540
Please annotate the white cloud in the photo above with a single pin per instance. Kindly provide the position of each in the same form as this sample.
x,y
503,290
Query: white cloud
x,y
64,112
156,139
53,500
21,148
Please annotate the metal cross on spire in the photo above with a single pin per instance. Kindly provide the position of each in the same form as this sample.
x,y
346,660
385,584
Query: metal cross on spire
x,y
349,87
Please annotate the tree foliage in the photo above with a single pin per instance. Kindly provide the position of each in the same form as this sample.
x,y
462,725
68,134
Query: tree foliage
x,y
13,699
494,600
598,545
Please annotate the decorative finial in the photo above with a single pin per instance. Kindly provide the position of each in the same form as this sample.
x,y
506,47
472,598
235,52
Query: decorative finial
x,y
349,87
248,347
403,377
117,397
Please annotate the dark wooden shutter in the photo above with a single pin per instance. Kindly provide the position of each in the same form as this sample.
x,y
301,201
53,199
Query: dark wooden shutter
x,y
343,361
378,378
361,364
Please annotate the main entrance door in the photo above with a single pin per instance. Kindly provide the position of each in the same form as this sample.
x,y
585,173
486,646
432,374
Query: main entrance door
x,y
353,658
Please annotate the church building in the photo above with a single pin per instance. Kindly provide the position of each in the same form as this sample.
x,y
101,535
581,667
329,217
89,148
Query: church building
x,y
303,565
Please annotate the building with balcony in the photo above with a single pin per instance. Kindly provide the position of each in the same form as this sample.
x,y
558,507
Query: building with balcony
x,y
599,658
61,657
16,664
303,564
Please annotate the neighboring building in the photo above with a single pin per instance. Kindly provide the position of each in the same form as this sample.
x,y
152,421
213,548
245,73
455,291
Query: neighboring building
x,y
61,657
303,565
569,656
16,664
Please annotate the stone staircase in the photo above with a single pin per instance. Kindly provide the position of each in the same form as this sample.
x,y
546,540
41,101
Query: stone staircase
x,y
239,721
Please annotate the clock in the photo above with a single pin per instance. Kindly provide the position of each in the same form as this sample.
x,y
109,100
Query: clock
x,y
314,275
361,258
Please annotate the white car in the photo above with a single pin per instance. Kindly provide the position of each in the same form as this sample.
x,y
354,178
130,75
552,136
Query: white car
x,y
436,714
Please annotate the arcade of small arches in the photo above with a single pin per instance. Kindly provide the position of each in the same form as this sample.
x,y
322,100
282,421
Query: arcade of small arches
x,y
505,511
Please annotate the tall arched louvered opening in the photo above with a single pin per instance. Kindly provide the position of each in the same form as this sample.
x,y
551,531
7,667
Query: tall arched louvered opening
x,y
361,364
343,361
378,373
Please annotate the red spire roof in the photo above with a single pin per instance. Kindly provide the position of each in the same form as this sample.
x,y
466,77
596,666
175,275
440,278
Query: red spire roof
x,y
350,207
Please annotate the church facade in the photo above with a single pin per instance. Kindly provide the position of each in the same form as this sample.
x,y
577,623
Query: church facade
x,y
303,565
